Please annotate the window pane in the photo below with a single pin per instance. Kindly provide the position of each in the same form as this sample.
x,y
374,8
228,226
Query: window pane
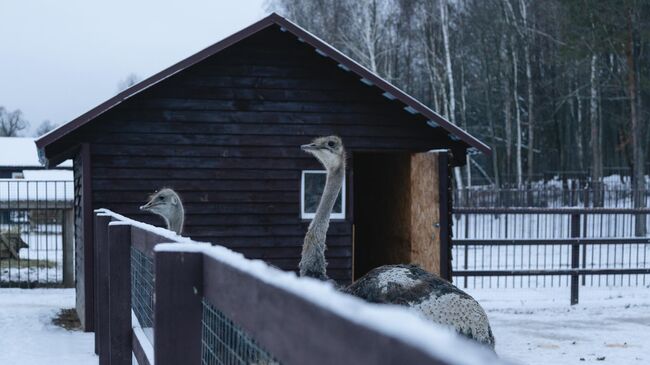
x,y
314,185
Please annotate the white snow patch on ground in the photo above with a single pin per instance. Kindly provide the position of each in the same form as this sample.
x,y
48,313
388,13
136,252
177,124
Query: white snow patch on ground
x,y
538,326
27,335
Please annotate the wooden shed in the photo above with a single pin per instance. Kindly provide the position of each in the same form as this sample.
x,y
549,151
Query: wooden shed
x,y
223,128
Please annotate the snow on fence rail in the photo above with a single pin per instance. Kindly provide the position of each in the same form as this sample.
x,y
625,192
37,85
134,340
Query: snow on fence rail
x,y
213,306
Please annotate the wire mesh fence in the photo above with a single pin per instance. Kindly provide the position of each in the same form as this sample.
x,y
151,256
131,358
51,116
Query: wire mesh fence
x,y
35,218
142,287
225,343
548,243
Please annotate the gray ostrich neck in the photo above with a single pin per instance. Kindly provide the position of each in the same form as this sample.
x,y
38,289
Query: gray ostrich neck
x,y
333,183
313,262
175,220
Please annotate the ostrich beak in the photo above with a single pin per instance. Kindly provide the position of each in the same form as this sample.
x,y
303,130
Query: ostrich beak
x,y
308,147
146,206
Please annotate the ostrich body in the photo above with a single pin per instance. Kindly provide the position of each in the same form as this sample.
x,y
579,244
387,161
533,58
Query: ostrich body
x,y
409,285
167,204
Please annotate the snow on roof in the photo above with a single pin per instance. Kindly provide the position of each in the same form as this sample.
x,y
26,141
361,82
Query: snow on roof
x,y
391,320
21,151
48,175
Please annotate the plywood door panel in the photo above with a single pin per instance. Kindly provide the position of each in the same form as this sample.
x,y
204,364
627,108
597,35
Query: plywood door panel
x,y
425,213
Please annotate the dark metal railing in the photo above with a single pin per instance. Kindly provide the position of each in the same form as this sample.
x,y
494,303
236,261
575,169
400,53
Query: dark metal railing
x,y
541,246
36,233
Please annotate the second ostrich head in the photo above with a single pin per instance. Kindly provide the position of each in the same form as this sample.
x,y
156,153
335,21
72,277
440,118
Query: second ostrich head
x,y
331,154
328,150
167,204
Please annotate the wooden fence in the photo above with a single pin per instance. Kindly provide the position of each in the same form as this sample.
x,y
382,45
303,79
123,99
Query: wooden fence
x,y
182,302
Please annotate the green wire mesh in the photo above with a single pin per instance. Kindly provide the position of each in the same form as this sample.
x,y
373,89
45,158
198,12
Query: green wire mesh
x,y
225,343
142,287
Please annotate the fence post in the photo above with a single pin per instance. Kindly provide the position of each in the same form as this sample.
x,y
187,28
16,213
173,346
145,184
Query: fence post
x,y
68,248
119,298
575,257
101,287
178,308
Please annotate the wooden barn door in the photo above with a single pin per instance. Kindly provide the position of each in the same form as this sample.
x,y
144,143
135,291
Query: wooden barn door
x,y
401,211
429,186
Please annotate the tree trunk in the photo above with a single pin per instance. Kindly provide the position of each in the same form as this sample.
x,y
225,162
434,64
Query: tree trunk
x,y
515,94
444,20
596,152
638,176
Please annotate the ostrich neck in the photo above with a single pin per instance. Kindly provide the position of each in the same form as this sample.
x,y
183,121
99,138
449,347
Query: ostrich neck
x,y
333,183
313,262
175,220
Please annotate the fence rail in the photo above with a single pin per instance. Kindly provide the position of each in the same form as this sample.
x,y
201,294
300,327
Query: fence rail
x,y
213,306
537,246
36,233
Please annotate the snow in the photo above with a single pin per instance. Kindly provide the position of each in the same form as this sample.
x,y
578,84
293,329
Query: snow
x,y
394,321
21,151
163,232
50,175
538,326
28,335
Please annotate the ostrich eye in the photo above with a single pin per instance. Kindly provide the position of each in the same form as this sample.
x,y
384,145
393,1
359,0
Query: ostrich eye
x,y
331,144
161,198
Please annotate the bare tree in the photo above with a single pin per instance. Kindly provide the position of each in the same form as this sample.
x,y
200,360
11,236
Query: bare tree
x,y
44,127
130,80
11,123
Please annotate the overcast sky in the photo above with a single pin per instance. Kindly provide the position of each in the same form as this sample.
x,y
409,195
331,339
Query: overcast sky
x,y
58,59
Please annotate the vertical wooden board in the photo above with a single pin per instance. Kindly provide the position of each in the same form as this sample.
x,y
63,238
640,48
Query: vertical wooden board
x,y
425,214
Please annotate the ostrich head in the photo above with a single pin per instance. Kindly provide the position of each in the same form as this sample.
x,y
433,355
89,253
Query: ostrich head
x,y
167,204
328,150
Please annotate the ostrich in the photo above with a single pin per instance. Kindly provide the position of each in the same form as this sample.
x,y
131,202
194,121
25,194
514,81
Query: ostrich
x,y
167,204
409,285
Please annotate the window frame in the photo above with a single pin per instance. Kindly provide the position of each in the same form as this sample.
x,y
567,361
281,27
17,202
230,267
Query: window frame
x,y
333,215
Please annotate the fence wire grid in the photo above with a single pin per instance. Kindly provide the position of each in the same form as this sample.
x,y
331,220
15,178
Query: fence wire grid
x,y
225,343
142,287
31,232
503,247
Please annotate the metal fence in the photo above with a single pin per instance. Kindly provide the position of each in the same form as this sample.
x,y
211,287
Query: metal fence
x,y
36,233
549,243
213,306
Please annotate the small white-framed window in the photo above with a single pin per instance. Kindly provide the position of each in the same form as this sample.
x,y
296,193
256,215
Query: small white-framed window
x,y
312,184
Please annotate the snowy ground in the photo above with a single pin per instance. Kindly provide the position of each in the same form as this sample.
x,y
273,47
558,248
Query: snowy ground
x,y
538,326
27,335
531,326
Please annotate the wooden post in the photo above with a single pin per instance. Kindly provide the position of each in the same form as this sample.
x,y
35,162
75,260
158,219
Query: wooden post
x,y
445,198
178,290
119,298
101,287
575,257
68,248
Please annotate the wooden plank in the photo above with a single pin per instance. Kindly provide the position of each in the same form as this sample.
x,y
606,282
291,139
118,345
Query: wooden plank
x,y
354,343
119,299
88,247
201,187
445,209
101,288
425,212
178,289
68,248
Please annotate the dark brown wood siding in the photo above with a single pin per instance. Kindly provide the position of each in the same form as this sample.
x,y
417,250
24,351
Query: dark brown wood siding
x,y
225,134
79,238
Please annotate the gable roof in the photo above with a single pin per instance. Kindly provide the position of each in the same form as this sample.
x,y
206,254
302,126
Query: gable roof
x,y
411,104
